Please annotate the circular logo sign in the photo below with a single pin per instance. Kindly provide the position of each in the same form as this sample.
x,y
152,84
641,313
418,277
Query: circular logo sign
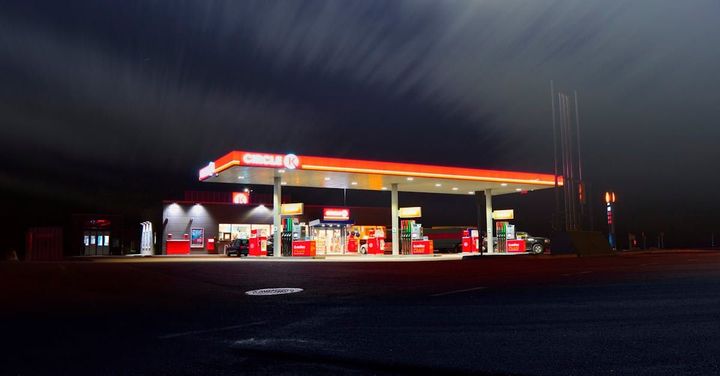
x,y
291,161
274,291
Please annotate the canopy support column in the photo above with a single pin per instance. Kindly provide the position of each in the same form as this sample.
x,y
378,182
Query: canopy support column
x,y
394,210
277,221
489,221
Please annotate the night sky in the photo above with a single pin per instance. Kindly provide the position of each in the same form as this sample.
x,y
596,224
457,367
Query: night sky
x,y
109,106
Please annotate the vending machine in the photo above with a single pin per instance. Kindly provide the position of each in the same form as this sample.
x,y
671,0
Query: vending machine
x,y
353,242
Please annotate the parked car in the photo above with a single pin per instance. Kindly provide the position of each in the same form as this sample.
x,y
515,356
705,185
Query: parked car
x,y
238,247
535,245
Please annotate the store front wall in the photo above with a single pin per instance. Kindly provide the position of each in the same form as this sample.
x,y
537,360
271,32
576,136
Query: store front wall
x,y
183,223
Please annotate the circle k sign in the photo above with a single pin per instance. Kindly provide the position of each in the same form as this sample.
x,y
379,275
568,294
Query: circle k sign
x,y
289,161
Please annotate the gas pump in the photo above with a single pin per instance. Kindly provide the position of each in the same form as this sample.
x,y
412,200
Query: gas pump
x,y
257,244
286,237
406,233
380,235
376,242
470,240
501,233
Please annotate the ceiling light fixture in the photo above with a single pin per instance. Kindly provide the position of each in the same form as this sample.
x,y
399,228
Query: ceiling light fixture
x,y
454,188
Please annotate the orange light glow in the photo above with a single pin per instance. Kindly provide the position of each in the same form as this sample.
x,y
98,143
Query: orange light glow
x,y
235,158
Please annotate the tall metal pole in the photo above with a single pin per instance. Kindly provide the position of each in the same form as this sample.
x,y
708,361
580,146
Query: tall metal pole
x,y
570,153
564,159
556,217
577,134
571,159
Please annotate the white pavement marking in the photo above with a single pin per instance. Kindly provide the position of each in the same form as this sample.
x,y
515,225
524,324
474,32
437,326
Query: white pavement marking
x,y
203,331
459,291
274,291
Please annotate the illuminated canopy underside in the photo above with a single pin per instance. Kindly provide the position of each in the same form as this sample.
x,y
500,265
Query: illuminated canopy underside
x,y
321,172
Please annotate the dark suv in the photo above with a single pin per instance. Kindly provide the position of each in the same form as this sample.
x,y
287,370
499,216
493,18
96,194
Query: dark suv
x,y
238,247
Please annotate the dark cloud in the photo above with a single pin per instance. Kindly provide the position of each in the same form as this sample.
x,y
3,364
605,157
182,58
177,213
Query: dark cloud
x,y
149,89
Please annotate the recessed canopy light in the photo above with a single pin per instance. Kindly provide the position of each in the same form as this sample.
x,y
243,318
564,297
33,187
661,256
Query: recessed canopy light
x,y
354,183
471,193
327,179
241,177
454,188
284,183
518,189
503,185
410,179
384,188
281,171
438,185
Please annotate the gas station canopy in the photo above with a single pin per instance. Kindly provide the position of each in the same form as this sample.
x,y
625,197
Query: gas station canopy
x,y
243,167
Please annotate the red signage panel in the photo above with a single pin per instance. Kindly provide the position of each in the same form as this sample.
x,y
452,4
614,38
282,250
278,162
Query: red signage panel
x,y
303,248
241,198
336,214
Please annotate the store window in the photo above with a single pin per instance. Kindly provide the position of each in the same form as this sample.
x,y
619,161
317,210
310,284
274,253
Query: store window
x,y
232,231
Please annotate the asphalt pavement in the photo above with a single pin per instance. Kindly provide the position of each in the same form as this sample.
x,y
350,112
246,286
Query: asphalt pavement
x,y
652,313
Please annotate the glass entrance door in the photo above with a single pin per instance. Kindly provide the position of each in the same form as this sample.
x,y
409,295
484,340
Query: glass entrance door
x,y
97,242
330,240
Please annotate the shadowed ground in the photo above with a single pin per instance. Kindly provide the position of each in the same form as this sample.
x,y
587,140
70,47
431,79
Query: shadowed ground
x,y
640,314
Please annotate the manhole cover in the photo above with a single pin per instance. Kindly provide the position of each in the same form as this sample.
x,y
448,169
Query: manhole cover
x,y
274,291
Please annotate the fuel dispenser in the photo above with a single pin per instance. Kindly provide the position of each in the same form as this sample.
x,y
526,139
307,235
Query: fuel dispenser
x,y
412,241
501,233
257,244
470,240
286,237
376,242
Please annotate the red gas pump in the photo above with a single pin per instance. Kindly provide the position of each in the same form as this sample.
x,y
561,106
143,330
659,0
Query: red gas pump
x,y
470,241
376,242
211,246
257,244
